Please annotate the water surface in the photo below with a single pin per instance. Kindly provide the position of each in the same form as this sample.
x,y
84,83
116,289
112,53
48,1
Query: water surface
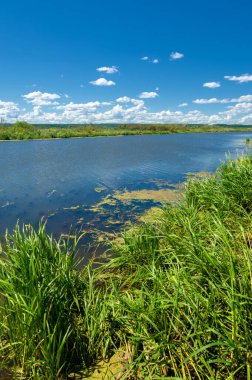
x,y
62,179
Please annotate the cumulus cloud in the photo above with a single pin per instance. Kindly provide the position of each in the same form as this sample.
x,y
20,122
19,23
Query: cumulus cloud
x,y
241,99
148,95
108,70
127,111
176,55
89,106
155,61
212,84
39,98
126,99
211,101
102,82
123,99
241,79
124,109
145,58
8,109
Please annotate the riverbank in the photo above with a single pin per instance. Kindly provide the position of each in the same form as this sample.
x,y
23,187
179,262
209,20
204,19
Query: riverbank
x,y
25,131
172,301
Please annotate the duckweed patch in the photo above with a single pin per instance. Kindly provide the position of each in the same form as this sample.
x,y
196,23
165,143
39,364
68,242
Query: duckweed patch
x,y
160,195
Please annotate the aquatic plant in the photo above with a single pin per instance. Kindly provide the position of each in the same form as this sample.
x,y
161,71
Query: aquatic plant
x,y
49,317
175,296
182,283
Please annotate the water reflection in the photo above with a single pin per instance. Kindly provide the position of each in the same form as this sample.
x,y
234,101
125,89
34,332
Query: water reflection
x,y
63,179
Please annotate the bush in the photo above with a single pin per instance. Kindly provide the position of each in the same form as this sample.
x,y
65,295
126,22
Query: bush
x,y
22,127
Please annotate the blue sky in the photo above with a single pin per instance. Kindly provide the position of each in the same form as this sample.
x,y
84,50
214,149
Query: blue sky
x,y
196,66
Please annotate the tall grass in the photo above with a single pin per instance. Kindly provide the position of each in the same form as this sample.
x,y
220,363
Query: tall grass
x,y
184,284
176,296
50,317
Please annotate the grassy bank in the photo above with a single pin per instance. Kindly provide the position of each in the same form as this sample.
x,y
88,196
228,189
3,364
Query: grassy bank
x,y
173,301
26,131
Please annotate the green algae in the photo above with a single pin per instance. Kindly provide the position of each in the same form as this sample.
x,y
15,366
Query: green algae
x,y
99,189
154,214
160,195
72,207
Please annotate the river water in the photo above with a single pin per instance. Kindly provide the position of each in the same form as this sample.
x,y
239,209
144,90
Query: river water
x,y
63,179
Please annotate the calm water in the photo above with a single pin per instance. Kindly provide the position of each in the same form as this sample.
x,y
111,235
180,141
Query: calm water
x,y
47,177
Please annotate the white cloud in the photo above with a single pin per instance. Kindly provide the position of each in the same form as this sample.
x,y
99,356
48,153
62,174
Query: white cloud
x,y
89,106
246,119
124,110
148,95
123,99
241,79
126,99
155,60
102,82
8,109
73,110
241,99
108,70
127,112
39,98
176,55
212,84
211,101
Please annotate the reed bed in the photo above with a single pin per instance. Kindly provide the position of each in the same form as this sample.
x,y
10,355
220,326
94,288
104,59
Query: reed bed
x,y
22,130
175,296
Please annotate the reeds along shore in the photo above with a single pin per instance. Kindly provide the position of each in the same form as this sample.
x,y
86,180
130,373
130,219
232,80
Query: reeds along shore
x,y
175,297
22,130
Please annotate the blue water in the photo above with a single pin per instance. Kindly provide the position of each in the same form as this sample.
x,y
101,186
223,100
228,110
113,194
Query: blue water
x,y
40,178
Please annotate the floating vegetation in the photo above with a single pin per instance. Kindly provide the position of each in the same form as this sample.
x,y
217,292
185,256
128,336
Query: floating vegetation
x,y
99,189
154,214
160,195
198,174
114,368
106,201
80,220
72,208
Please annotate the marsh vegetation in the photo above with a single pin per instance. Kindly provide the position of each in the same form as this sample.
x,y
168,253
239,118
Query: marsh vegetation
x,y
22,130
173,300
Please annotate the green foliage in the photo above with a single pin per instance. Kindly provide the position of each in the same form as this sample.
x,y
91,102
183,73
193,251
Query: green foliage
x,y
22,130
22,127
50,318
186,310
176,295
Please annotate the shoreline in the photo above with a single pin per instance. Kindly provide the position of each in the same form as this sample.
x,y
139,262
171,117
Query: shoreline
x,y
142,133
